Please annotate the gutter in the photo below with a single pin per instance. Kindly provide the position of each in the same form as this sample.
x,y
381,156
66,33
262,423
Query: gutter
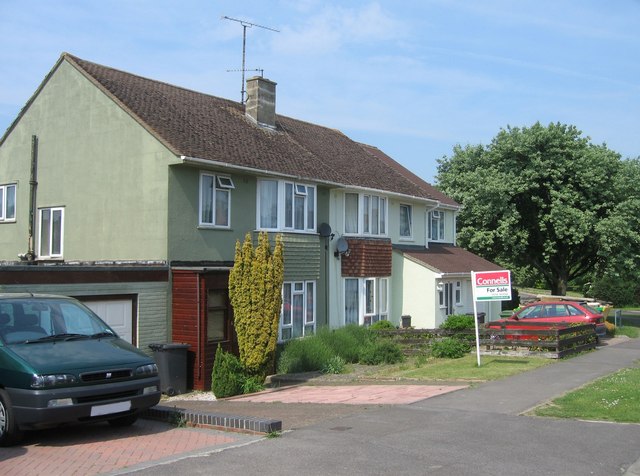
x,y
213,163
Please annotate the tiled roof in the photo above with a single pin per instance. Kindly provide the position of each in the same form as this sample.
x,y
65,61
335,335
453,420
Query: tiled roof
x,y
447,258
202,126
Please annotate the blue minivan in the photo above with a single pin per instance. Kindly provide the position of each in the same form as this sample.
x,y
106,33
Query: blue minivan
x,y
61,364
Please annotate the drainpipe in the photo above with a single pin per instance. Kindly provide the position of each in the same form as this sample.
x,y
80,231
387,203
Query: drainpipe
x,y
33,185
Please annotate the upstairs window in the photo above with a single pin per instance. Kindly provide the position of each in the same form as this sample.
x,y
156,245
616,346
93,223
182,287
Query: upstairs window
x,y
405,221
436,225
286,206
365,214
215,199
51,232
7,202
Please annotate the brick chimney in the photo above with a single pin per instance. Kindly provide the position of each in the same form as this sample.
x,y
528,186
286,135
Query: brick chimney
x,y
261,101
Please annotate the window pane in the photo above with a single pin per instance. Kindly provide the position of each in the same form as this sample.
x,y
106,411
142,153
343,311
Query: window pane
x,y
268,204
288,205
351,301
2,203
311,207
351,213
222,207
286,305
299,212
370,301
405,220
11,202
375,216
215,324
56,233
298,314
441,227
383,216
366,203
45,233
206,199
382,305
310,304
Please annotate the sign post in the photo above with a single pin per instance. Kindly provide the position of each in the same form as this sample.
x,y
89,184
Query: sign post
x,y
488,286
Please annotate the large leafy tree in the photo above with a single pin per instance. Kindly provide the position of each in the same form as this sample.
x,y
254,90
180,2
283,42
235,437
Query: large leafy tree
x,y
544,198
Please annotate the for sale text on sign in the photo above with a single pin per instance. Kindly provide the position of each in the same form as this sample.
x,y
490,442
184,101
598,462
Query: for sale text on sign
x,y
492,285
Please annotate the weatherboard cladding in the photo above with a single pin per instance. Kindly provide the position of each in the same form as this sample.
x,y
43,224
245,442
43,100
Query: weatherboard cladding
x,y
202,126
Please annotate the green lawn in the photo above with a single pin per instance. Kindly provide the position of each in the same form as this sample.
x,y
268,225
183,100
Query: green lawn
x,y
463,369
612,398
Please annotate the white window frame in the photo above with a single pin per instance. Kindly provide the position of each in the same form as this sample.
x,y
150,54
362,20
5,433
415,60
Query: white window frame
x,y
366,207
306,289
409,225
380,288
4,199
50,232
220,184
288,194
436,223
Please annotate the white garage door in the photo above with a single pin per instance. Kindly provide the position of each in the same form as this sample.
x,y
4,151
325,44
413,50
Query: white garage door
x,y
117,313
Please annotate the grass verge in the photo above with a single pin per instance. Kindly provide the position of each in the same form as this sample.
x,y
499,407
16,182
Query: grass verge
x,y
463,369
612,398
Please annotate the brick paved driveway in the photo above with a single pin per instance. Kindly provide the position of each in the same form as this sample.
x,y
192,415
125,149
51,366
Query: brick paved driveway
x,y
100,449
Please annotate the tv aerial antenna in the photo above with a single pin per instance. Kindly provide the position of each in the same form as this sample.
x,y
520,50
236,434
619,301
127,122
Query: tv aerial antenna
x,y
245,25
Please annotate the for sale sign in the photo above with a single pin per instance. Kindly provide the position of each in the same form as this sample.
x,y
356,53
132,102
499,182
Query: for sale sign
x,y
492,285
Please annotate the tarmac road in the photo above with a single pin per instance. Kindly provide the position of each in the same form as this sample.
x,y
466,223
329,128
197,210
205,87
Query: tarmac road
x,y
475,431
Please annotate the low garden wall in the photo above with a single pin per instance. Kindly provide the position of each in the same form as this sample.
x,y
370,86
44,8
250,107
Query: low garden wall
x,y
556,342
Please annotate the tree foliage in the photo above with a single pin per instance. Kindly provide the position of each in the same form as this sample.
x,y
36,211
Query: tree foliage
x,y
547,202
255,291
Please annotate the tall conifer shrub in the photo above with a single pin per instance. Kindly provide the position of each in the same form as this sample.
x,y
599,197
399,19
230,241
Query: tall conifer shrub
x,y
255,291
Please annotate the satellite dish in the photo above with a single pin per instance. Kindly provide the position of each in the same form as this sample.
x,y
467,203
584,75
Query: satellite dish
x,y
325,230
342,246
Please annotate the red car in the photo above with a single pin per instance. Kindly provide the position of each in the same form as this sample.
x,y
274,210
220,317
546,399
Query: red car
x,y
555,312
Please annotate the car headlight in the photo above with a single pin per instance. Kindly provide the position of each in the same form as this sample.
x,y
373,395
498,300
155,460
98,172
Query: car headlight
x,y
147,370
54,380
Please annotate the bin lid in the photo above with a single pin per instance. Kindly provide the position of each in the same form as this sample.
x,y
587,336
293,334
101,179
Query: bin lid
x,y
168,346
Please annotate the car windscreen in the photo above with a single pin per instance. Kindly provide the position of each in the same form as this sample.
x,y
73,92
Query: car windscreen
x,y
30,320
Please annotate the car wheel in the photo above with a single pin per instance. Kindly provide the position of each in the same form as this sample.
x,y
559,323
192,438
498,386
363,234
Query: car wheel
x,y
121,422
9,432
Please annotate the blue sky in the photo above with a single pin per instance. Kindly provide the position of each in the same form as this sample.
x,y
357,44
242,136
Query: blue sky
x,y
412,77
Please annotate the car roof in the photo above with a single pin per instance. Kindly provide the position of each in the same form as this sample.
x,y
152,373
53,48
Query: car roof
x,y
5,296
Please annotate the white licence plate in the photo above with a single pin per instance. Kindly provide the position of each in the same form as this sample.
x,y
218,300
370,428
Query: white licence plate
x,y
110,408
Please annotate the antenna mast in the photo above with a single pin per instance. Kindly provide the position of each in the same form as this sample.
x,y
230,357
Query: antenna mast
x,y
246,24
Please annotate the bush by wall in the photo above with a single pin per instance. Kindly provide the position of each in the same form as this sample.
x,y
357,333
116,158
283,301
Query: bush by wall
x,y
458,322
449,348
227,376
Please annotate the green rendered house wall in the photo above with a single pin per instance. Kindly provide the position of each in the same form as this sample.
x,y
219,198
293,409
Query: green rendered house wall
x,y
97,162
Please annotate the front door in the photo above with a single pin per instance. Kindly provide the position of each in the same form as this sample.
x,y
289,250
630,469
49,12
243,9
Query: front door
x,y
448,298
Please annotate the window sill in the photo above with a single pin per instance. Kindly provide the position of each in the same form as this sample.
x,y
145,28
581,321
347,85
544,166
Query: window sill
x,y
214,227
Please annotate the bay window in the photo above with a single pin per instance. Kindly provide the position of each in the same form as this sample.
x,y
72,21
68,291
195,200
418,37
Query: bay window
x,y
366,300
